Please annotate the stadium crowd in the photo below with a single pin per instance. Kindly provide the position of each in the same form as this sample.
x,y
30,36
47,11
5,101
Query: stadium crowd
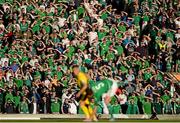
x,y
40,40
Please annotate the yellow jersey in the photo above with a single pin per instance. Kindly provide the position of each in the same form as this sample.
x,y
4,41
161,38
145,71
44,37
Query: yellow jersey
x,y
82,79
162,46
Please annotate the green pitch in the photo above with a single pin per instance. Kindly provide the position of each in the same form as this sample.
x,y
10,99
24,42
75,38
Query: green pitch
x,y
81,120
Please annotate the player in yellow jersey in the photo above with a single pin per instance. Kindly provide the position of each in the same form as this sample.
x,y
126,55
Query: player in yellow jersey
x,y
84,94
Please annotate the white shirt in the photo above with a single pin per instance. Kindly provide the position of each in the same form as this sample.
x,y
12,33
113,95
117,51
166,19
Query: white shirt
x,y
3,60
34,108
5,6
172,90
177,23
73,108
131,31
94,2
130,77
122,98
8,74
81,30
177,36
85,56
138,87
52,9
90,10
47,82
66,42
33,61
24,7
100,22
64,96
61,22
17,27
92,36
87,7
83,24
2,26
43,7
55,26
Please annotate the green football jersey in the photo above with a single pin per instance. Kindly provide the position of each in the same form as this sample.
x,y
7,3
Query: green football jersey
x,y
100,88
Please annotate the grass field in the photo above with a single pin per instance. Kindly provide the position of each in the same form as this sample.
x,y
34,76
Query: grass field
x,y
59,118
81,120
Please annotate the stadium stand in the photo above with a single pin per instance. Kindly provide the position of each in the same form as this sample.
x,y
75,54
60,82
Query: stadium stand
x,y
137,44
